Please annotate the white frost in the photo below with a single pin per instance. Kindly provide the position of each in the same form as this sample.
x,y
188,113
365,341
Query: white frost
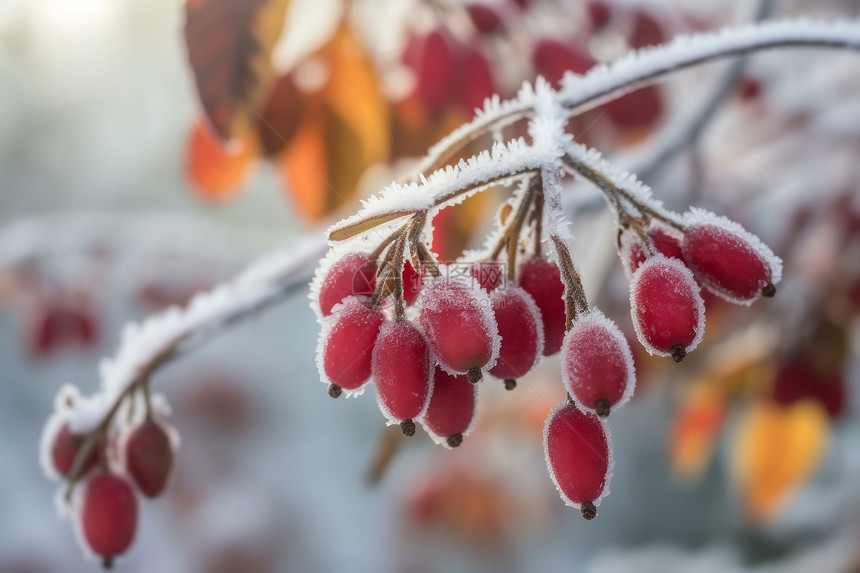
x,y
204,316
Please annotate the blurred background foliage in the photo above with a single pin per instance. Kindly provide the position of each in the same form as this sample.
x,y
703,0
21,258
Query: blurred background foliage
x,y
148,149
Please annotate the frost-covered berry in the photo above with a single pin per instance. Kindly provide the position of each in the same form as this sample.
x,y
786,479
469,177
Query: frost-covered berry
x,y
596,364
460,327
354,274
451,411
665,242
542,280
488,274
108,515
579,457
412,283
729,261
149,457
667,309
521,329
403,372
64,449
346,347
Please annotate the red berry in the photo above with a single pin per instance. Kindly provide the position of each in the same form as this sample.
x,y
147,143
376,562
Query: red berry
x,y
553,58
668,312
354,274
412,283
646,31
488,274
542,280
578,455
521,329
600,13
476,80
729,261
402,370
108,515
451,411
432,60
64,450
641,109
485,18
597,365
664,241
459,325
149,457
346,349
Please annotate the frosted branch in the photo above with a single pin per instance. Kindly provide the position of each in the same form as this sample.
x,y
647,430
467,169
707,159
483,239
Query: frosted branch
x,y
640,68
145,346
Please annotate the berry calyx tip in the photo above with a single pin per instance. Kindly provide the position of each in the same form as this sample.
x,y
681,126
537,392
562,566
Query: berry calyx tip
x,y
408,428
589,510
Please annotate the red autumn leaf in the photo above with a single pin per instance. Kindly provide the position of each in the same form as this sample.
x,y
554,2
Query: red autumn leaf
x,y
229,47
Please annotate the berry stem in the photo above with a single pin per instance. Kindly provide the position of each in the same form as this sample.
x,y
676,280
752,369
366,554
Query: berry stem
x,y
615,194
390,443
537,221
575,300
510,238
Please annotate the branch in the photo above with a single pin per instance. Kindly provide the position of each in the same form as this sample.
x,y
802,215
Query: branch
x,y
641,68
163,337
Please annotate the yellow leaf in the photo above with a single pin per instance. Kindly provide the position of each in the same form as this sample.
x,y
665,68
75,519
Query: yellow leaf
x,y
354,95
776,450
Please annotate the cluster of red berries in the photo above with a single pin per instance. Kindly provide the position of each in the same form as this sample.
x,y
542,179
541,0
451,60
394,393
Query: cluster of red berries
x,y
110,470
426,342
666,275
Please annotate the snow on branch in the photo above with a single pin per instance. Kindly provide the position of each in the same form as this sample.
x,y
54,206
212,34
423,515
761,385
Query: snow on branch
x,y
144,346
446,186
639,68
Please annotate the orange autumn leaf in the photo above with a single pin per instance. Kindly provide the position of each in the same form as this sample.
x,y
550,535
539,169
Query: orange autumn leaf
x,y
229,46
344,130
776,450
217,169
694,431
305,162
